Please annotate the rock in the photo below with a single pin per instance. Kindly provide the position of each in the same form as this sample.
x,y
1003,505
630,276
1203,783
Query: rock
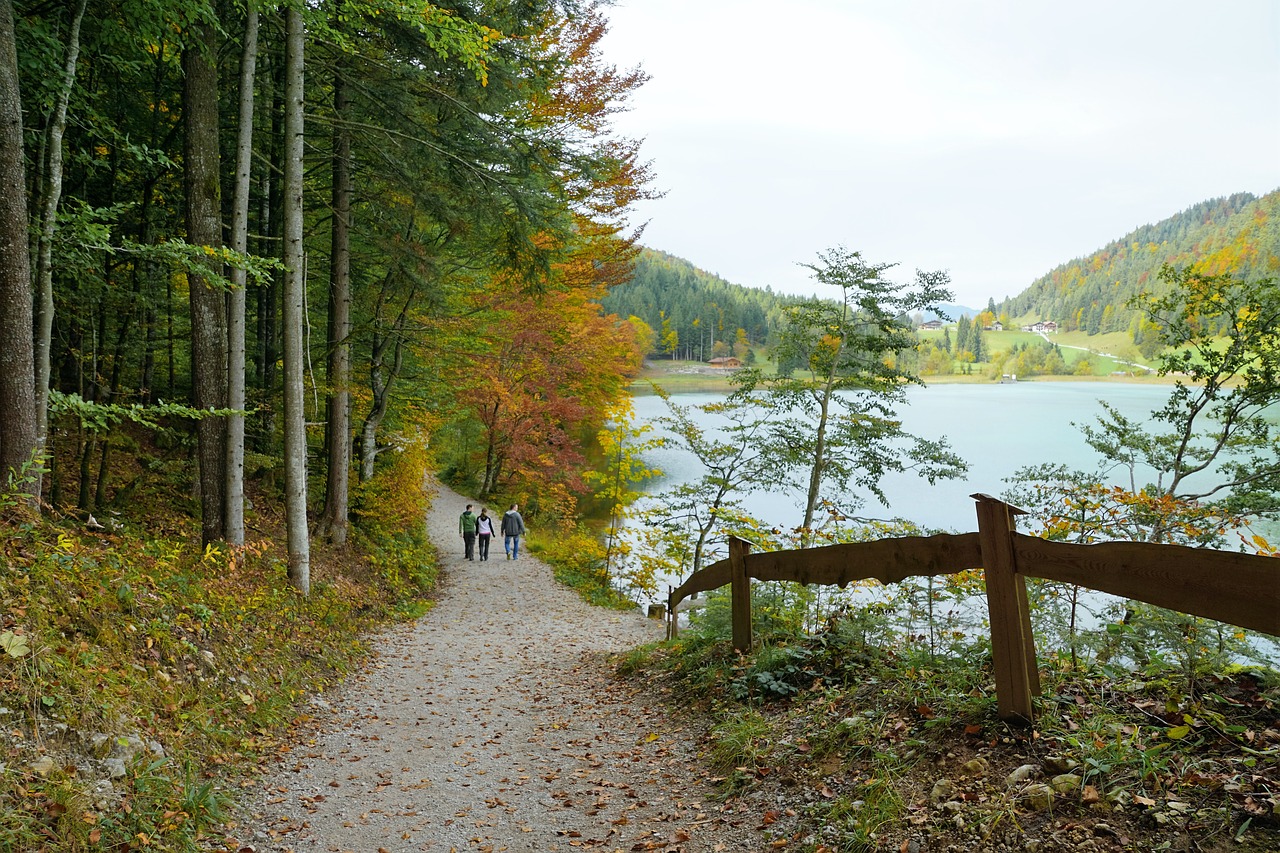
x,y
1060,763
976,767
943,789
127,748
43,766
1021,774
114,768
1065,783
103,794
100,744
1037,797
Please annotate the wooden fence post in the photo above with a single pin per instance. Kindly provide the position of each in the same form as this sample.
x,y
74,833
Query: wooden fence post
x,y
1013,651
740,588
673,620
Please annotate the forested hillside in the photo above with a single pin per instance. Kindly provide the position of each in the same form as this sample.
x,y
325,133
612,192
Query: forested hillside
x,y
1237,234
691,311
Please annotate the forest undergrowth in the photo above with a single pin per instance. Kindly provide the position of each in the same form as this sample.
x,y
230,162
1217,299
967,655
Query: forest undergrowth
x,y
855,738
142,680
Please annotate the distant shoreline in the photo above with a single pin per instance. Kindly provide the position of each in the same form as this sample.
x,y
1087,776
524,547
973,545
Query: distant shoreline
x,y
691,379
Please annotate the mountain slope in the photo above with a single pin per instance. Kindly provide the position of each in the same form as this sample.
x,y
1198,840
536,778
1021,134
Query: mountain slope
x,y
1237,234
699,307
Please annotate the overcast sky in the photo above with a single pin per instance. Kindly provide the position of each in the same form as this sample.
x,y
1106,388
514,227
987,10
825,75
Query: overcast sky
x,y
991,138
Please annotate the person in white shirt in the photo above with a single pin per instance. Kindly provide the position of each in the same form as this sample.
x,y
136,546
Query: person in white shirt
x,y
484,532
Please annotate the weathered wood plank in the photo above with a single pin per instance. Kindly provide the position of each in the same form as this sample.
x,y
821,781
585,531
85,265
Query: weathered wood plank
x,y
741,591
1239,589
705,579
886,560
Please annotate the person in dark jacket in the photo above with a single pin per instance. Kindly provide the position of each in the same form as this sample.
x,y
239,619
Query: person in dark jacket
x,y
512,530
467,527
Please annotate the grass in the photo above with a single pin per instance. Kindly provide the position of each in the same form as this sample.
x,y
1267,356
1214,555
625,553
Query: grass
x,y
1074,346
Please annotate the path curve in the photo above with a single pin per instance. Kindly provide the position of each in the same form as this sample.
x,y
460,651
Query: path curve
x,y
494,723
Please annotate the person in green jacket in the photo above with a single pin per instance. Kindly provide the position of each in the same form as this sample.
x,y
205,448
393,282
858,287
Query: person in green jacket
x,y
467,527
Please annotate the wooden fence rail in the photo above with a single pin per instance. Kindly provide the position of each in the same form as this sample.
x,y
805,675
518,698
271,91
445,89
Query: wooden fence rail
x,y
1239,589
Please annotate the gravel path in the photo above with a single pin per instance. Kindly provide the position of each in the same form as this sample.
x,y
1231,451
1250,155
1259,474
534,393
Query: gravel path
x,y
494,723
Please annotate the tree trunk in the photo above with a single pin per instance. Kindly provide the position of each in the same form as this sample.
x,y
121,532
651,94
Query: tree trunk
x,y
17,346
295,435
381,381
269,218
208,303
338,421
815,470
490,480
381,378
239,279
50,195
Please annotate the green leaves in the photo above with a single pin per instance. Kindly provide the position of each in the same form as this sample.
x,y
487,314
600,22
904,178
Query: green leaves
x,y
101,417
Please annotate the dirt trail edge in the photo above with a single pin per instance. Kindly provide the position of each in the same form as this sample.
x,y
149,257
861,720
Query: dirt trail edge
x,y
494,723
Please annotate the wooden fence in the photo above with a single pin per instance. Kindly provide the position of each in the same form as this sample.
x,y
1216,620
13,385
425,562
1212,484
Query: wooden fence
x,y
1239,589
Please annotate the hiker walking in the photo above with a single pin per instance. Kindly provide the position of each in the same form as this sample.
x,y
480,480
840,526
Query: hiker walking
x,y
512,530
467,527
484,531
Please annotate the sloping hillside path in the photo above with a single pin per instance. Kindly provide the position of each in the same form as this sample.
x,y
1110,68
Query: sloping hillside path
x,y
495,723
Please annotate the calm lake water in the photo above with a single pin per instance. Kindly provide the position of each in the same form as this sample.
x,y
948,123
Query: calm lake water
x,y
996,428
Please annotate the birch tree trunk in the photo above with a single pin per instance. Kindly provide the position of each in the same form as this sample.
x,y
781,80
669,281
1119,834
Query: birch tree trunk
x,y
295,435
208,302
338,429
50,195
239,279
17,348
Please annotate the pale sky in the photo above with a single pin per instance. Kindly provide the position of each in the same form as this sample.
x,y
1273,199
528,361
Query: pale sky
x,y
995,139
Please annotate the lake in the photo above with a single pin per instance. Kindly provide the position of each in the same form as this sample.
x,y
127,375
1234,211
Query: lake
x,y
996,428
